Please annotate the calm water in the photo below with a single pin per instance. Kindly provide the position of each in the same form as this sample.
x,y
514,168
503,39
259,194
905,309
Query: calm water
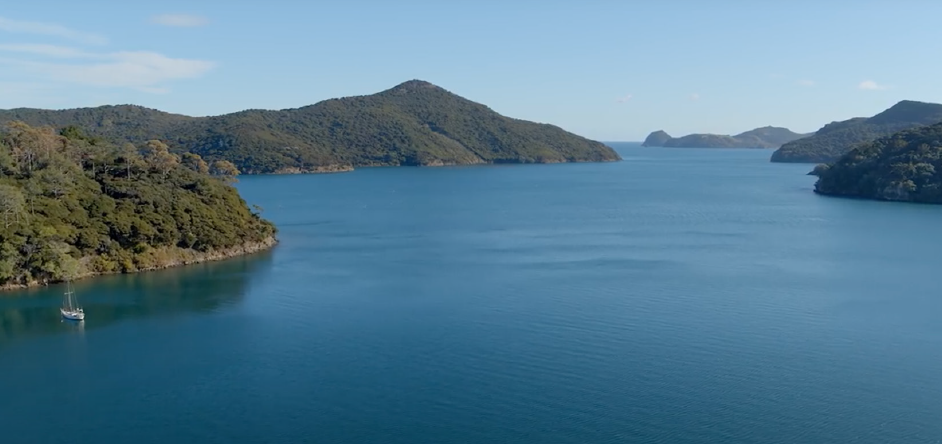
x,y
679,296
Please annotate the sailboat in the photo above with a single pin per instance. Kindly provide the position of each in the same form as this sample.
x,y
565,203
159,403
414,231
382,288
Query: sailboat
x,y
70,308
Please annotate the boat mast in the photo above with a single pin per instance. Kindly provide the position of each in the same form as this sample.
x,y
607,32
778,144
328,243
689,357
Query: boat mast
x,y
68,296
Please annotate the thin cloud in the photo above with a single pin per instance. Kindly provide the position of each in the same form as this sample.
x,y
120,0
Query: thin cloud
x,y
808,83
179,20
624,98
695,96
50,29
871,85
140,70
45,50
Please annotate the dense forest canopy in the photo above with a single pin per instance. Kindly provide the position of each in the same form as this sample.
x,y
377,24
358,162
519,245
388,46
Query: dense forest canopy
x,y
837,138
415,123
906,166
73,205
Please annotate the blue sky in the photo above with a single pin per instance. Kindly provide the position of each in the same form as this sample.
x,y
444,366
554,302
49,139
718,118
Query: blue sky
x,y
608,70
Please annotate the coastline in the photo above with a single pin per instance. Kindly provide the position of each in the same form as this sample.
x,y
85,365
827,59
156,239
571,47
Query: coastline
x,y
333,169
163,258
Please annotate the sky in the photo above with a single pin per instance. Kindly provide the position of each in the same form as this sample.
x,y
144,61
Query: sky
x,y
607,70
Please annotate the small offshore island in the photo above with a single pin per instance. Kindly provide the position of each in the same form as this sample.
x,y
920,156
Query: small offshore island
x,y
75,206
760,138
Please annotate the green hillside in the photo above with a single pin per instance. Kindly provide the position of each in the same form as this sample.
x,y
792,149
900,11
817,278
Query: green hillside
x,y
837,138
765,137
906,166
73,206
414,123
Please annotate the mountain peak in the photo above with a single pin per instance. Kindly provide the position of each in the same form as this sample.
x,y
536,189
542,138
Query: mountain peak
x,y
909,111
413,85
413,123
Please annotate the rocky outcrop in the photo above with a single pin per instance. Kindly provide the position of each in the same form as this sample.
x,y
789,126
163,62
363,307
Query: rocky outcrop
x,y
657,138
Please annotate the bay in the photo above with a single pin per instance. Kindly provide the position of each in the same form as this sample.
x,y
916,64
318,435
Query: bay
x,y
680,295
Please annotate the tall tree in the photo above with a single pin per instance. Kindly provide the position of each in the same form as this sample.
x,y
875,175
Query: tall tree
x,y
130,156
158,156
7,163
12,204
225,169
195,163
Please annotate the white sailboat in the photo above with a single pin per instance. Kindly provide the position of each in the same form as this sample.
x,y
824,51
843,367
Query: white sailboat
x,y
70,308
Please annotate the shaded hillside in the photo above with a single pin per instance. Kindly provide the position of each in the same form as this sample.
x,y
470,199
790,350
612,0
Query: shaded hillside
x,y
770,136
414,123
657,138
906,166
765,137
838,138
73,206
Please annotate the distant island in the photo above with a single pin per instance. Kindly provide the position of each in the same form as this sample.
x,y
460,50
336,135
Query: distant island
x,y
73,206
905,166
414,123
765,137
657,138
829,143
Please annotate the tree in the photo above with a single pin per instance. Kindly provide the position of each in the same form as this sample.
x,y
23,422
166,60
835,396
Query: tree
x,y
22,141
34,188
9,262
12,204
131,157
56,180
158,156
7,163
195,163
225,169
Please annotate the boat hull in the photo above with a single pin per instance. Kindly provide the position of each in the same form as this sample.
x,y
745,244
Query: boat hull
x,y
73,315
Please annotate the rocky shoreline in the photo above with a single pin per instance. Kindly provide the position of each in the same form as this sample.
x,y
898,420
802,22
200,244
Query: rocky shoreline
x,y
166,257
323,169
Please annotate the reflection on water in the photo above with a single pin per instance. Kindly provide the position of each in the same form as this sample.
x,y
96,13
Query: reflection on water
x,y
195,288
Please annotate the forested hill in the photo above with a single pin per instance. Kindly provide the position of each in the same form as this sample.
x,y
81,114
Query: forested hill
x,y
837,138
765,137
73,206
906,166
414,123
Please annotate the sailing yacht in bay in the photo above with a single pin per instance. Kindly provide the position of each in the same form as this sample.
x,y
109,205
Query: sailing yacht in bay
x,y
70,308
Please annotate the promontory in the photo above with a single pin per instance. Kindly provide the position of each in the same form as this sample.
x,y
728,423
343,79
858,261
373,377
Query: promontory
x,y
905,166
72,206
837,138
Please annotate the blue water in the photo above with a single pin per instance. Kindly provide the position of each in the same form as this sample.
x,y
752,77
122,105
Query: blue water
x,y
679,296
